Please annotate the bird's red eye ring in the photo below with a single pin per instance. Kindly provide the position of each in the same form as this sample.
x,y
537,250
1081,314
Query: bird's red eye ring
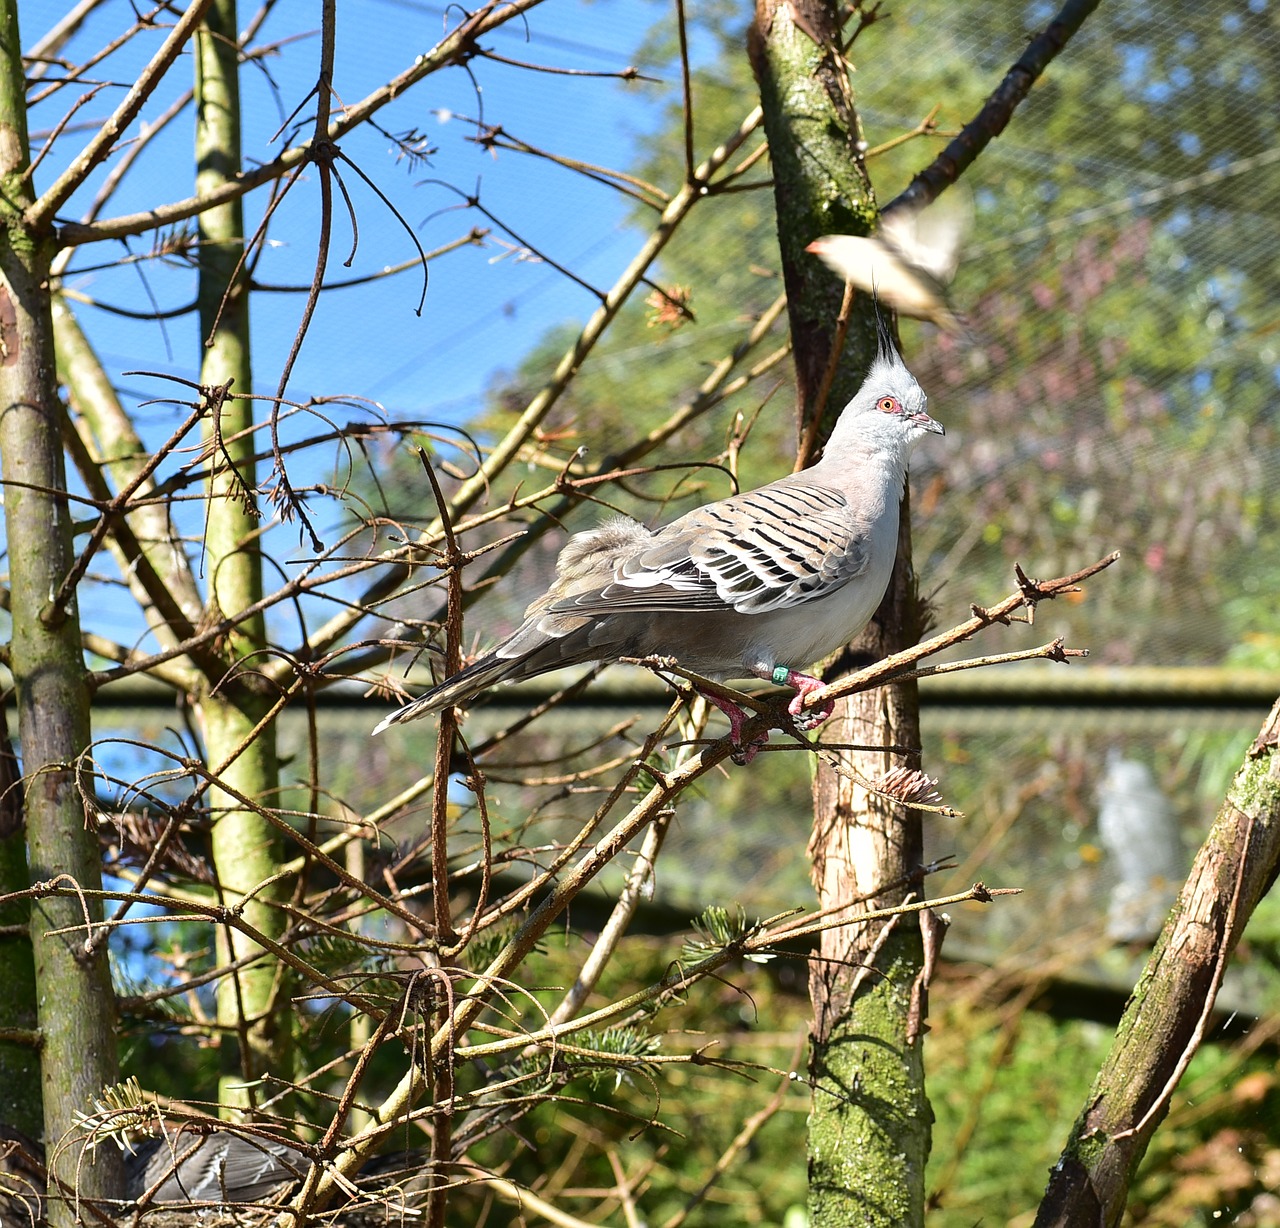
x,y
889,405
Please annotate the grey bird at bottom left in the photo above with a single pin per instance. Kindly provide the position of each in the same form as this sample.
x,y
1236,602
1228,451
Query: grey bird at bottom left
x,y
184,1166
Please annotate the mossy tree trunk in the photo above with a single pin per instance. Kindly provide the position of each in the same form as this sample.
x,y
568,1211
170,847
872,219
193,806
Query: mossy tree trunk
x,y
246,848
820,187
869,1125
75,1004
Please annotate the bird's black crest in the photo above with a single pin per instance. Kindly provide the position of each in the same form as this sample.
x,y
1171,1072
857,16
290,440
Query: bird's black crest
x,y
886,349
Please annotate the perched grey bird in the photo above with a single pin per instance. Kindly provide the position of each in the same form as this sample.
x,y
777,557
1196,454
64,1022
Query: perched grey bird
x,y
909,261
183,1165
203,1164
216,1165
220,1167
757,585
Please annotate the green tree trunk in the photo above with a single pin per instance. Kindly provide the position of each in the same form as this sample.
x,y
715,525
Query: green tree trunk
x,y
246,848
820,187
75,1000
869,1126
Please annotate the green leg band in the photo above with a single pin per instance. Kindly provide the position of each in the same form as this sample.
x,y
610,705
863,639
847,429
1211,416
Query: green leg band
x,y
780,675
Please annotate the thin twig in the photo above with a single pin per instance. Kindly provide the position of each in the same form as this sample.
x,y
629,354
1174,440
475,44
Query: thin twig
x,y
1030,592
448,719
809,440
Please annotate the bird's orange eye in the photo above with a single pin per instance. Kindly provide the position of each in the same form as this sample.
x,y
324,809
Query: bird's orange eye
x,y
889,405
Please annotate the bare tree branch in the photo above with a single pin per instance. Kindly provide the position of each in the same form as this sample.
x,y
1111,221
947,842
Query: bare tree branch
x,y
40,213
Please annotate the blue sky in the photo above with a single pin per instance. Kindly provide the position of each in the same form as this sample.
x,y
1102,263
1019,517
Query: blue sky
x,y
484,308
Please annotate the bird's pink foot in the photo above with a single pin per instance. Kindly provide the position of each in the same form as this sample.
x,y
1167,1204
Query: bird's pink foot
x,y
743,752
805,684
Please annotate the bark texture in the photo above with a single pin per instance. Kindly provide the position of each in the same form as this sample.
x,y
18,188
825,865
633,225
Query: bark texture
x,y
870,1127
19,1048
820,187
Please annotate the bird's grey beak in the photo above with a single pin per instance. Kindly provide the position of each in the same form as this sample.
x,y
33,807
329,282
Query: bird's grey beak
x,y
932,425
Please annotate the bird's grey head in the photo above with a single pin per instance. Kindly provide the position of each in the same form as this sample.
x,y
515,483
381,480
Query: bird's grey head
x,y
890,409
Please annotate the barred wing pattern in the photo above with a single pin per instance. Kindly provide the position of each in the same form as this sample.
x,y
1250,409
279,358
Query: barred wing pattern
x,y
769,549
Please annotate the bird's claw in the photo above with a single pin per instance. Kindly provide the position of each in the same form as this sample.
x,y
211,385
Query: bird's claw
x,y
743,752
807,718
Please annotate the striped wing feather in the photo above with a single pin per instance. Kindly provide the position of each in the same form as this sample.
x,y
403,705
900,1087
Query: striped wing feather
x,y
767,549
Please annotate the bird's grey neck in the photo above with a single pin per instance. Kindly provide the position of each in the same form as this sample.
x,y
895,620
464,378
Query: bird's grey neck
x,y
865,458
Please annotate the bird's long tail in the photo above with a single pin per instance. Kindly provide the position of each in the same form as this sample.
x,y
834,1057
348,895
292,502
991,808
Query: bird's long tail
x,y
465,683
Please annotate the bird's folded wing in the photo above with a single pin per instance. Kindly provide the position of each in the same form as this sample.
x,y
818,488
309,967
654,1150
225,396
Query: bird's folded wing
x,y
768,549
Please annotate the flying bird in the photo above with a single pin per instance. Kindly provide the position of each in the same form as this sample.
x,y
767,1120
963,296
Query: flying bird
x,y
909,262
758,585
